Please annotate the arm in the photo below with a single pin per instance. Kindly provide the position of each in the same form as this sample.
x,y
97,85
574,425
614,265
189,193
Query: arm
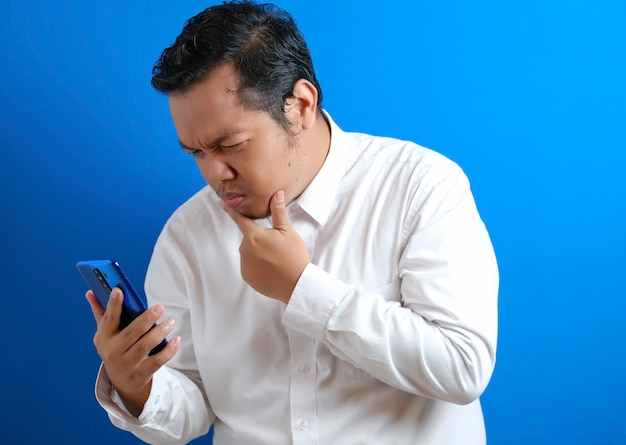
x,y
437,338
176,410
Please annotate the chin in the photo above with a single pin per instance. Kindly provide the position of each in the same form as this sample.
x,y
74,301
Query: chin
x,y
254,214
255,217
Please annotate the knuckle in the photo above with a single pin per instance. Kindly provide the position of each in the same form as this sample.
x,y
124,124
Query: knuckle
x,y
128,333
107,356
144,348
160,360
254,238
96,342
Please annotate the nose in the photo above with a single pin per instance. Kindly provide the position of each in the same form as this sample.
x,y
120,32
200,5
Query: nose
x,y
215,168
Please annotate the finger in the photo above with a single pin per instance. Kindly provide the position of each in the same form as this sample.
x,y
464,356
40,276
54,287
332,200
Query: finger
x,y
245,224
110,321
96,308
153,363
280,217
152,339
137,329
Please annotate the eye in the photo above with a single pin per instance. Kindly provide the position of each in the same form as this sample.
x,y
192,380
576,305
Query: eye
x,y
195,153
231,147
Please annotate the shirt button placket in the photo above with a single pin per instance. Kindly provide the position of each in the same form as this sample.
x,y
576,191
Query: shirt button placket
x,y
302,393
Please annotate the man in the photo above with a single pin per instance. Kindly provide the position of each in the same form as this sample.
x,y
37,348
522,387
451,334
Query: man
x,y
325,288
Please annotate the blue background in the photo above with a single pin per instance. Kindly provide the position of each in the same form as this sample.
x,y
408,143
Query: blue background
x,y
528,97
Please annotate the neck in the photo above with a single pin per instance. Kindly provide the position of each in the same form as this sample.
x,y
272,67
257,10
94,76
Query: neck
x,y
320,140
315,148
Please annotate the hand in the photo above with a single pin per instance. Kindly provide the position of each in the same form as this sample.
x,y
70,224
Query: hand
x,y
272,260
125,353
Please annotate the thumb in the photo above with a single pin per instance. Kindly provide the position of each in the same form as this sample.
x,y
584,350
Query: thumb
x,y
280,218
111,317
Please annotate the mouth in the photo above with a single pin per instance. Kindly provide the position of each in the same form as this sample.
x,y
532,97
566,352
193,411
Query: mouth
x,y
232,201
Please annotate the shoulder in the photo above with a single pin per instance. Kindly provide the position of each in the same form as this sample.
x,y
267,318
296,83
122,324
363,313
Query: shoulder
x,y
379,155
397,159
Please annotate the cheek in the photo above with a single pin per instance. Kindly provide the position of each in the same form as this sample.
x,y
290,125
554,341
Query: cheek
x,y
209,173
207,179
283,174
204,171
263,179
268,170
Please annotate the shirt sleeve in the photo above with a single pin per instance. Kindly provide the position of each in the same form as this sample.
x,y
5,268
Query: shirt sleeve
x,y
177,410
438,338
159,421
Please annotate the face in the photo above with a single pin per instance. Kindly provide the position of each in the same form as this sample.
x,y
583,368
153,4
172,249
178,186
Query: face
x,y
243,154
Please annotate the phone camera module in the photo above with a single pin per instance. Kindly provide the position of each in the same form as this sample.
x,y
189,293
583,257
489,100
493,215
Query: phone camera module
x,y
103,282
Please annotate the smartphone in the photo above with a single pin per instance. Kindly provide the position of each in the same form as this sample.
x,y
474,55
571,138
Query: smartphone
x,y
102,276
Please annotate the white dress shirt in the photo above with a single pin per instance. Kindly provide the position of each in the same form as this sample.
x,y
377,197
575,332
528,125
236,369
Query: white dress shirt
x,y
389,336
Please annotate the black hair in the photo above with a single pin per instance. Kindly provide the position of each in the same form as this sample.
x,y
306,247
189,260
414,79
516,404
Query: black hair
x,y
262,41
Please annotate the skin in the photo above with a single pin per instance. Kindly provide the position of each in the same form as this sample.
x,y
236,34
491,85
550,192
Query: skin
x,y
243,154
256,167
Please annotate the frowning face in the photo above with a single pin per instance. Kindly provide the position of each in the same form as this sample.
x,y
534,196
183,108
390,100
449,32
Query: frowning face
x,y
243,154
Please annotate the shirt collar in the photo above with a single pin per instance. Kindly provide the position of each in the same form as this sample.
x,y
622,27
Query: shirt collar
x,y
318,198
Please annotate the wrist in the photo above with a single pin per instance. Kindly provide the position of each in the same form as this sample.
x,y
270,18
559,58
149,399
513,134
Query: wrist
x,y
135,401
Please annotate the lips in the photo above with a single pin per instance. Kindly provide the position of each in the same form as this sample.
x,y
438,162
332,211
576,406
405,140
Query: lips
x,y
232,200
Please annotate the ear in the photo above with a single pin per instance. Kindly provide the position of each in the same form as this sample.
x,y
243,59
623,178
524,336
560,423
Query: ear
x,y
303,107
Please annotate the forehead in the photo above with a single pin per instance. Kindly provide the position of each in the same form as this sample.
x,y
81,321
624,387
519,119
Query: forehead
x,y
214,105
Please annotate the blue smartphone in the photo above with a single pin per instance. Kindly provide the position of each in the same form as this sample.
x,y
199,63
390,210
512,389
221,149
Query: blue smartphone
x,y
104,275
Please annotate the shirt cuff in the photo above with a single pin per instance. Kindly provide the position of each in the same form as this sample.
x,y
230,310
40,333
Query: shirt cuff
x,y
113,404
313,300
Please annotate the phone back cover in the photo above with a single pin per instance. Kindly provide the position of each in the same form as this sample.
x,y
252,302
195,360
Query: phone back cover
x,y
112,272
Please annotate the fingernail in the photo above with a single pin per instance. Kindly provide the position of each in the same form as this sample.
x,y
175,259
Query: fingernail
x,y
157,310
175,342
169,323
280,196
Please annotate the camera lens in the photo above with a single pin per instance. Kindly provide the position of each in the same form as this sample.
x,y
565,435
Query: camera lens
x,y
103,282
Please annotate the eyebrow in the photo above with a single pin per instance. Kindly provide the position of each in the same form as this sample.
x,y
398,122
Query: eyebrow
x,y
215,143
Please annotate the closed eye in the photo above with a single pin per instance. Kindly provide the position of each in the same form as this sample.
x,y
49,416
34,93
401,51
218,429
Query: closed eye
x,y
230,147
195,152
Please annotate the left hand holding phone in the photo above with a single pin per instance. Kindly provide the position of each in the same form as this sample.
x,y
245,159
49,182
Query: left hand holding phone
x,y
124,353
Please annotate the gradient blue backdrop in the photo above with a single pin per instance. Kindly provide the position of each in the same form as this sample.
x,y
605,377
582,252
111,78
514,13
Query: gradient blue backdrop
x,y
529,97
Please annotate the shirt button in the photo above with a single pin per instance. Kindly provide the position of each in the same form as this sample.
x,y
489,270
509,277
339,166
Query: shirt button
x,y
303,369
157,400
303,425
